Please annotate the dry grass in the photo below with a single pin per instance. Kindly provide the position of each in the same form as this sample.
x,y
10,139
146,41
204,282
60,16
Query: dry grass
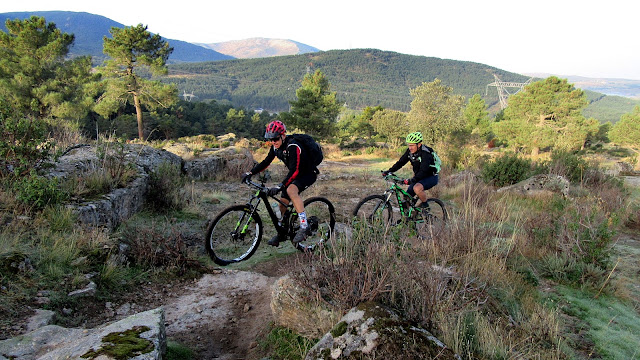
x,y
475,286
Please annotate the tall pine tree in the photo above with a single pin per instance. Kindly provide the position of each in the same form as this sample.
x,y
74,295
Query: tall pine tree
x,y
547,114
134,50
316,108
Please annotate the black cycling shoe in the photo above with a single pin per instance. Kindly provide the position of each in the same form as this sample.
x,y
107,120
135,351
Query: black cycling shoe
x,y
275,241
301,235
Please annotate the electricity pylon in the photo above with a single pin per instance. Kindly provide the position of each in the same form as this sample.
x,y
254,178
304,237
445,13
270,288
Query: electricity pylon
x,y
502,86
187,97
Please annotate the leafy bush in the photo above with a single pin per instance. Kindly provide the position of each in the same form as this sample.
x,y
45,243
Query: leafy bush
x,y
283,343
569,165
23,142
586,233
165,188
157,245
507,170
38,192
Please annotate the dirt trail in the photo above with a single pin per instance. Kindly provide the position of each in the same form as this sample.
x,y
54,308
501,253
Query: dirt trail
x,y
221,315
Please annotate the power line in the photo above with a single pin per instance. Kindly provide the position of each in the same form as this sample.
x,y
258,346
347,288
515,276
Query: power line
x,y
503,93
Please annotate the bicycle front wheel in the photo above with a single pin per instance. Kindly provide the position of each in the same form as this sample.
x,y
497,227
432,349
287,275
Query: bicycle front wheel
x,y
321,217
374,209
234,235
432,220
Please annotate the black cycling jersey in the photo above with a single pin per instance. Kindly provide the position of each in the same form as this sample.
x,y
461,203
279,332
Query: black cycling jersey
x,y
291,154
421,163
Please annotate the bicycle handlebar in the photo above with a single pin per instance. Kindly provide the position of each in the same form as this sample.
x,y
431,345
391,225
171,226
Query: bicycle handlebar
x,y
393,178
260,186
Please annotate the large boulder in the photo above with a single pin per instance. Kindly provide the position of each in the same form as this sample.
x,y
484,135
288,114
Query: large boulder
x,y
543,183
220,163
113,208
110,210
143,333
372,331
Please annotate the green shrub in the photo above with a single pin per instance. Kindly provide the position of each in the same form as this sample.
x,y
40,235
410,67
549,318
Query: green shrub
x,y
177,351
507,170
569,165
165,188
38,192
283,343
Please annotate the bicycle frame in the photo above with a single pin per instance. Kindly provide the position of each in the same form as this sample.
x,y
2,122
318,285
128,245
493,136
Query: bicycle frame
x,y
405,201
261,196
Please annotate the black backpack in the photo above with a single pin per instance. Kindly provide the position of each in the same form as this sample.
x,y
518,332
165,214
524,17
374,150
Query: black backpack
x,y
313,149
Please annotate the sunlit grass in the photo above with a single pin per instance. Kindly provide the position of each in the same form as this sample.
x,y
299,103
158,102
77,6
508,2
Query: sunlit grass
x,y
613,327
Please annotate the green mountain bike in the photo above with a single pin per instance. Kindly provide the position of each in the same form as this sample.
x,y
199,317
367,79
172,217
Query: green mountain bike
x,y
234,235
429,221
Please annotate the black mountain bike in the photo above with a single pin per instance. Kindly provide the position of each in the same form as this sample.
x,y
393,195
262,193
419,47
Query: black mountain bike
x,y
234,235
429,221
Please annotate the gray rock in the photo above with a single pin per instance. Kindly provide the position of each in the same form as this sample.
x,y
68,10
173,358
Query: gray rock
x,y
372,331
538,184
89,290
293,307
40,319
53,342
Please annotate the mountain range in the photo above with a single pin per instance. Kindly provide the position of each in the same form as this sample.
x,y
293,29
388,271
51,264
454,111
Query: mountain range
x,y
90,29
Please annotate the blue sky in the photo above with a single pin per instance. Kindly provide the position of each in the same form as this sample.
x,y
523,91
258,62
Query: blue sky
x,y
562,37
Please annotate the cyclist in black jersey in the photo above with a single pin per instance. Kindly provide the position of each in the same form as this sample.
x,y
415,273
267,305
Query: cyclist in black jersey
x,y
301,175
425,173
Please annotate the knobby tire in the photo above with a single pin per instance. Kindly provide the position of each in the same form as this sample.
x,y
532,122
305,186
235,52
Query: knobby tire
x,y
321,217
374,209
233,235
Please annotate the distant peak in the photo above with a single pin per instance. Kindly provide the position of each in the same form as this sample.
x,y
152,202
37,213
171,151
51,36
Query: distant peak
x,y
259,47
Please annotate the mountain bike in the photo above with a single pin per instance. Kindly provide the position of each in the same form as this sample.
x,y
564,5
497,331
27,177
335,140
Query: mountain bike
x,y
429,221
234,235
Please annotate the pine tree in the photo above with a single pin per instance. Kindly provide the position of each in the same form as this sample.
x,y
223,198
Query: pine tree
x,y
40,90
436,111
36,79
626,132
134,50
547,114
316,108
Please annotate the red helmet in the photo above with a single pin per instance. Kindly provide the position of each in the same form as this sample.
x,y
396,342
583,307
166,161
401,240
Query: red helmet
x,y
274,130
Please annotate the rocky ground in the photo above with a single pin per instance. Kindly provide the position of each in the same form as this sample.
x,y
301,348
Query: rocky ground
x,y
223,313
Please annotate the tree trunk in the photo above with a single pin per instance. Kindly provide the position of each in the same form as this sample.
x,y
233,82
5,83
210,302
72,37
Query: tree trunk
x,y
136,102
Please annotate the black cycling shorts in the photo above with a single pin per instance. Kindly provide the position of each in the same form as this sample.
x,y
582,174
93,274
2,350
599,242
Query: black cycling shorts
x,y
302,182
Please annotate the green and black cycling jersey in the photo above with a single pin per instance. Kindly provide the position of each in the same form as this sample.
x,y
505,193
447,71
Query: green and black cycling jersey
x,y
422,163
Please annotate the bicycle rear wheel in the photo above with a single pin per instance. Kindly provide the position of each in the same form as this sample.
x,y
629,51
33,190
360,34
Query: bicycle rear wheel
x,y
321,217
374,209
234,235
431,221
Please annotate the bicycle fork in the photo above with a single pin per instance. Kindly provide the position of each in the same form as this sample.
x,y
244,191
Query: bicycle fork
x,y
244,222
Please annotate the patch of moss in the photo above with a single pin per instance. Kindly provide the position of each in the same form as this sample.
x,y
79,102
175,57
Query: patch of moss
x,y
339,329
123,345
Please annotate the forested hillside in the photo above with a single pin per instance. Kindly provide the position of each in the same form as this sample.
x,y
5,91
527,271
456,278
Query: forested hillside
x,y
608,108
361,77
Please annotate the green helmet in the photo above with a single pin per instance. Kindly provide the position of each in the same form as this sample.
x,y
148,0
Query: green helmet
x,y
414,138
